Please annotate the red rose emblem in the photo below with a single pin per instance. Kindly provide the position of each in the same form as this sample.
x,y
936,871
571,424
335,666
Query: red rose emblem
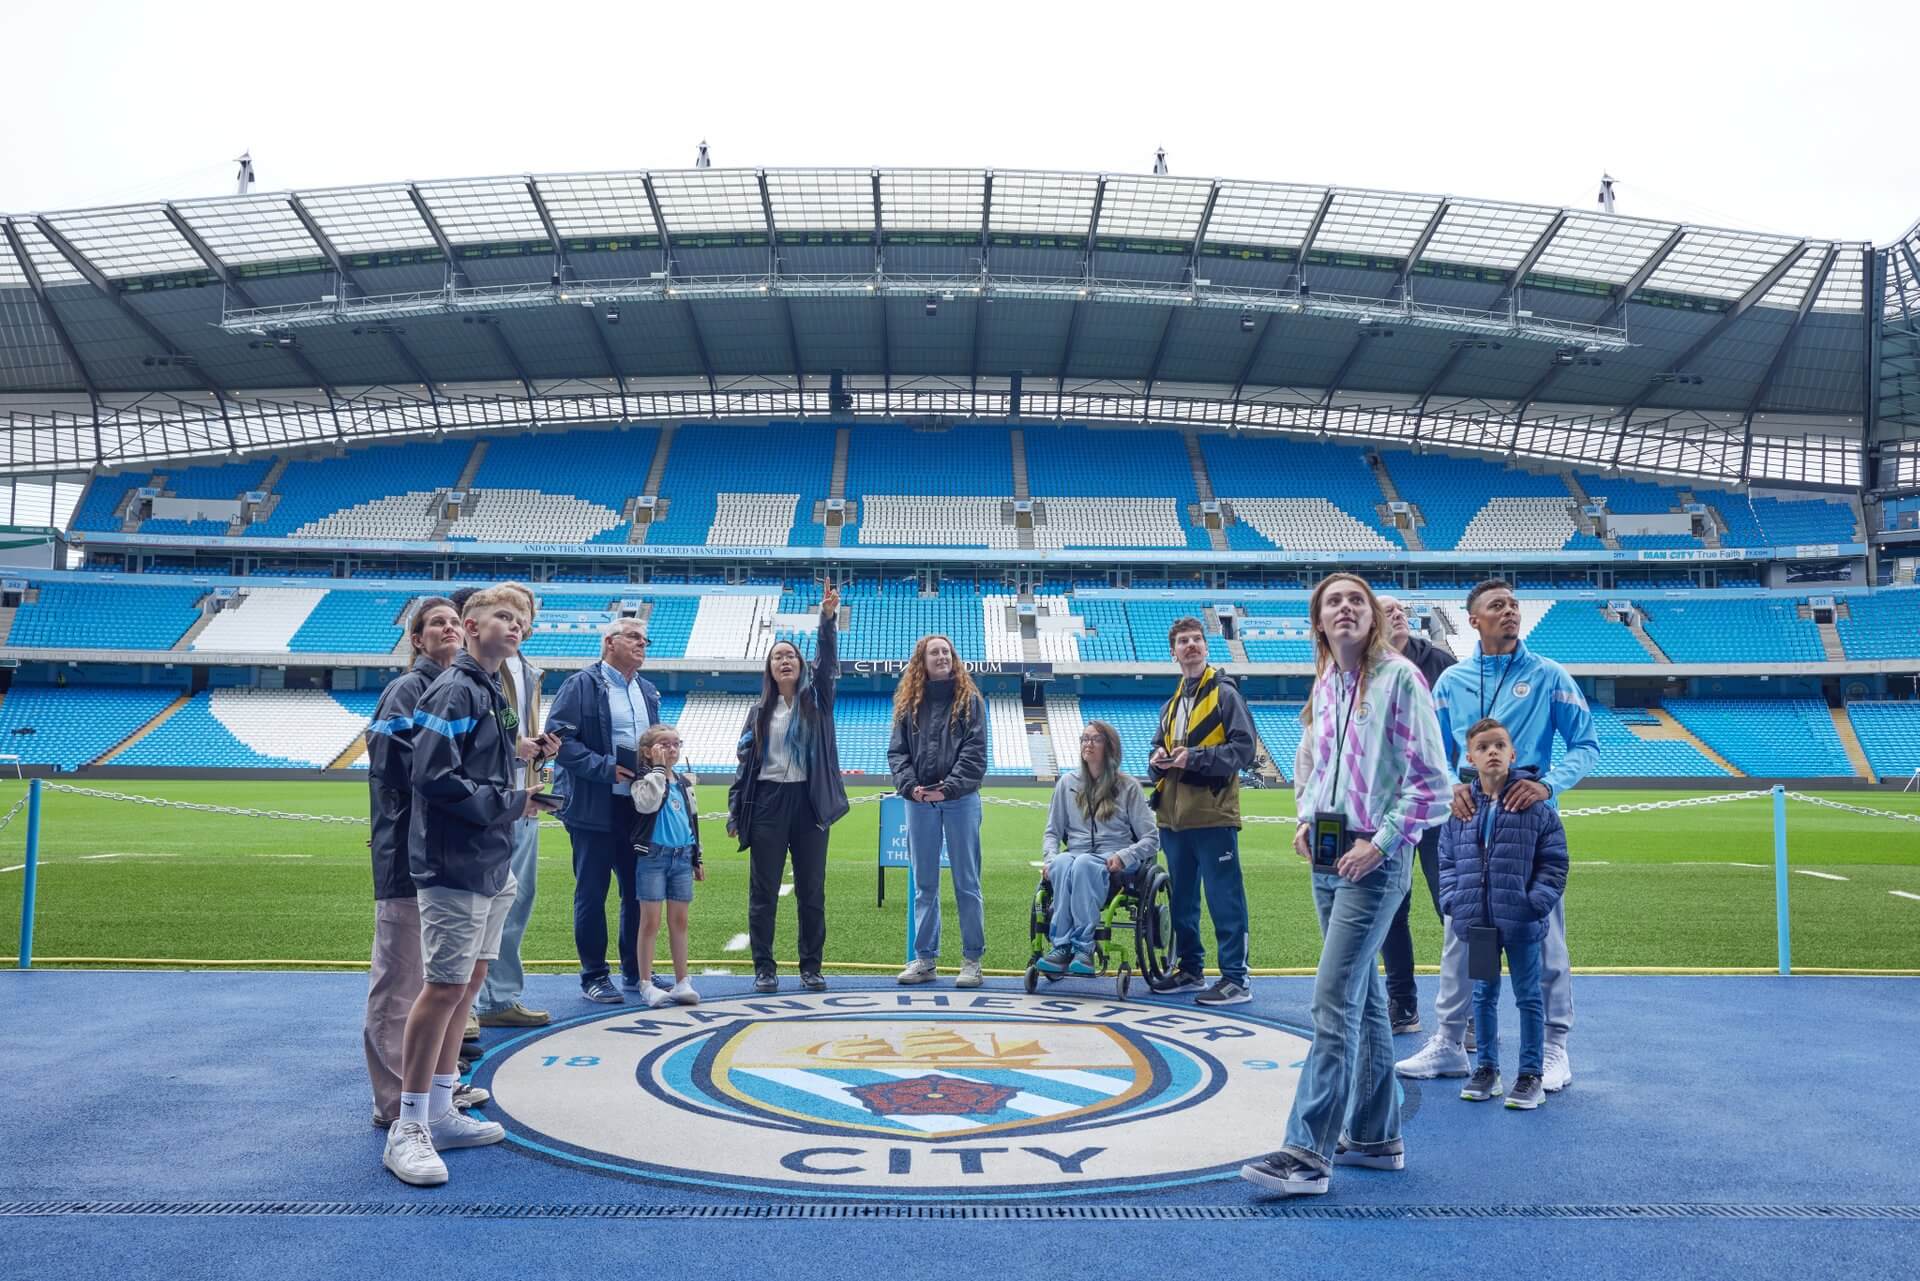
x,y
933,1095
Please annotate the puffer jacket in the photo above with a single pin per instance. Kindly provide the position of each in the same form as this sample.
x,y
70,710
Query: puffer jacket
x,y
464,803
390,777
1512,880
938,750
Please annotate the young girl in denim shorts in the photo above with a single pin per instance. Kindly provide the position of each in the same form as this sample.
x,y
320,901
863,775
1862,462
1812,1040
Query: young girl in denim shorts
x,y
666,847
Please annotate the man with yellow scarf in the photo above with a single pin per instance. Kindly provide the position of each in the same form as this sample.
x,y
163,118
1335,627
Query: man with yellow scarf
x,y
1204,741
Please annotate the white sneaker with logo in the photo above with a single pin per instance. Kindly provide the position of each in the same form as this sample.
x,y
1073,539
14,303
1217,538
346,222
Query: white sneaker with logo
x,y
916,972
1557,1073
683,993
1438,1057
458,1130
411,1157
969,974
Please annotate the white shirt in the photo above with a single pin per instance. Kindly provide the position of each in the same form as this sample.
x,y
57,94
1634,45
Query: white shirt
x,y
779,765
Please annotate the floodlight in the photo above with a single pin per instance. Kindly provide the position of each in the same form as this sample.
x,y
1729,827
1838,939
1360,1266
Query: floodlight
x,y
613,313
933,304
1246,322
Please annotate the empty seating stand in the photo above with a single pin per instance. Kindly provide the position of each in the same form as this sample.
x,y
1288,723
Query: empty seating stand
x,y
71,725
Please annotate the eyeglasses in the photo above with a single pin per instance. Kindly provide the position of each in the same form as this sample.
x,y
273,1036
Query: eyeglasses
x,y
1093,738
635,637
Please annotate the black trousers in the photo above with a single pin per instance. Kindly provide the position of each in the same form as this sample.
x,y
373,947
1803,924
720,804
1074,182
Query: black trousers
x,y
784,823
1397,951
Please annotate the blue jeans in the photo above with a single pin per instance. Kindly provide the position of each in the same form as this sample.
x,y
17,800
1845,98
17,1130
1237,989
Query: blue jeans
x,y
1347,1090
1529,996
1207,858
1080,884
505,979
665,875
600,858
957,822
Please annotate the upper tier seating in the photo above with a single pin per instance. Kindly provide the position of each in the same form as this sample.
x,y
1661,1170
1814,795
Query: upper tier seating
x,y
504,515
261,620
707,461
1732,631
381,480
1889,734
258,729
753,519
887,458
229,480
1111,463
908,520
600,469
1767,738
106,616
351,623
1314,476
68,726
1116,523
1457,496
1885,624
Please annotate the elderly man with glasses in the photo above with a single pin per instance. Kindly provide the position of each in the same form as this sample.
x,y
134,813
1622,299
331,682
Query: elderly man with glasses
x,y
599,715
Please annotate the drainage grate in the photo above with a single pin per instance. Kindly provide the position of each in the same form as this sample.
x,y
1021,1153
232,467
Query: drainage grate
x,y
1024,1213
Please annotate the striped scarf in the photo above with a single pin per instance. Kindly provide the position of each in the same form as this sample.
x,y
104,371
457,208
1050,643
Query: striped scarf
x,y
1204,725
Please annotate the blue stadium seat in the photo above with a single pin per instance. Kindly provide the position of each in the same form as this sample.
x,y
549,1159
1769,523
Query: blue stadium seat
x,y
1279,728
1070,461
1732,631
1767,738
68,726
1885,624
1580,632
1889,733
1450,491
352,623
106,616
314,488
706,461
890,458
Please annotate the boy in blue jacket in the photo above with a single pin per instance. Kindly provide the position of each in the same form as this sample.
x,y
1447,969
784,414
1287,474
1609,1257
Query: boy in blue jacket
x,y
1504,868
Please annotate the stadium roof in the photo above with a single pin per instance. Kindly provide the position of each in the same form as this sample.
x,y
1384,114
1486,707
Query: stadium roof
x,y
155,330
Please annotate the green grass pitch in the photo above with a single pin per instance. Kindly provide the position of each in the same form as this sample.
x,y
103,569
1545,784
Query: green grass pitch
x,y
1662,889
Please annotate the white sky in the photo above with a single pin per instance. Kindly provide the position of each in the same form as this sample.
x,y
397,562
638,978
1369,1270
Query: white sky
x,y
1765,116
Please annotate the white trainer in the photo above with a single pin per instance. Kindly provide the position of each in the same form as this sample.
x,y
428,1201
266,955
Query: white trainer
x,y
1438,1057
917,971
458,1130
411,1157
683,993
969,974
656,997
1557,1072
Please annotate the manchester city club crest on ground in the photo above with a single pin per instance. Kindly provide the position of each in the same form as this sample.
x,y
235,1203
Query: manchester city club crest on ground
x,y
881,1094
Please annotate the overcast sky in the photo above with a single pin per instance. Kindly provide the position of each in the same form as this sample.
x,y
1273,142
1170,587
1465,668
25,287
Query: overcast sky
x,y
1769,116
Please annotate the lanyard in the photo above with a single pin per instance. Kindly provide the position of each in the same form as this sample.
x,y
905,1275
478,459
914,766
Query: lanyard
x,y
1341,726
1487,709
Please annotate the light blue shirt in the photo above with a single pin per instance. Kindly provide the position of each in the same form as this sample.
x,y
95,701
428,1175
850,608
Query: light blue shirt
x,y
630,721
672,828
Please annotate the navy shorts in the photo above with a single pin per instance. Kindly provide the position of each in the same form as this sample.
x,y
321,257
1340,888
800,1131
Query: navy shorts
x,y
665,875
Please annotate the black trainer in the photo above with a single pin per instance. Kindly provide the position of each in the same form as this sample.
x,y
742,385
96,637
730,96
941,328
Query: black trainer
x,y
1484,1084
1404,1015
1225,992
811,980
766,981
1177,981
1287,1175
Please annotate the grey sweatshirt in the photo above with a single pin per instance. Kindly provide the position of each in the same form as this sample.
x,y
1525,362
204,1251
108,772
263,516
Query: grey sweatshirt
x,y
1131,833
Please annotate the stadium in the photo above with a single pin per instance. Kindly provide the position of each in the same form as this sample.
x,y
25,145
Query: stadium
x,y
1045,413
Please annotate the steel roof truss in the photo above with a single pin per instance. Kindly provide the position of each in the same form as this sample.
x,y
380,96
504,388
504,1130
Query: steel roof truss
x,y
1780,353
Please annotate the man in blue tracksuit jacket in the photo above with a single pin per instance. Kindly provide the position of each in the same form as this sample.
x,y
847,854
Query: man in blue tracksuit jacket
x,y
600,710
1536,700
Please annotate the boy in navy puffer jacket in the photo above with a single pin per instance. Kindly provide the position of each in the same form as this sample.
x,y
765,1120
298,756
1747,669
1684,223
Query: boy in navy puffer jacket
x,y
1506,869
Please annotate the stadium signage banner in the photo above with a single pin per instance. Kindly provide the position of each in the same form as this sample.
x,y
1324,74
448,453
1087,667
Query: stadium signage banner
x,y
957,555
895,666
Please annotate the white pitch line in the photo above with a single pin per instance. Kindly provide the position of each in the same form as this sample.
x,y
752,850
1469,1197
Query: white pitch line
x,y
1895,893
786,889
1761,866
1591,862
16,867
1825,876
738,943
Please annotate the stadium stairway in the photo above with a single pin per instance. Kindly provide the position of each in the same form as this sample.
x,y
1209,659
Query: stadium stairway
x,y
1391,494
351,753
6,621
166,713
192,634
1672,730
1638,627
1829,633
1580,517
1203,491
1856,754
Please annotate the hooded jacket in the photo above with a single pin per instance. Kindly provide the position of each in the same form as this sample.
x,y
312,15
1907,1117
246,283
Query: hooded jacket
x,y
1207,792
1503,867
825,790
938,750
1130,834
465,804
1428,657
390,777
1534,698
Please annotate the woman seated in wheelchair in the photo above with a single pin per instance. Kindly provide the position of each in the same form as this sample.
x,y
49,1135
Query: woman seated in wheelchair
x,y
1098,828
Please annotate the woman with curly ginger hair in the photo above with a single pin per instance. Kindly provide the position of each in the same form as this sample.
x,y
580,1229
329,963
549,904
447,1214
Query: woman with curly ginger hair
x,y
939,757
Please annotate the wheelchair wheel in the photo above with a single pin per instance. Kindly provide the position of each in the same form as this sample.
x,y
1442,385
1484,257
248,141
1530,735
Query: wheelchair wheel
x,y
1124,981
1032,980
1153,931
1040,913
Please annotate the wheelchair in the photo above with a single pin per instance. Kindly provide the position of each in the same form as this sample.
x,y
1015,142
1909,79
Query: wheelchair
x,y
1138,904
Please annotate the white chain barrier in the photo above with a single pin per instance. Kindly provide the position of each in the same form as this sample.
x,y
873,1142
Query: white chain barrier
x,y
1008,802
17,807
